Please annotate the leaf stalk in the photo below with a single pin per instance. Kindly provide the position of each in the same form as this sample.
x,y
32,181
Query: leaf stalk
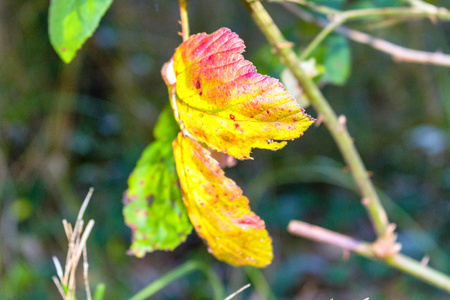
x,y
184,20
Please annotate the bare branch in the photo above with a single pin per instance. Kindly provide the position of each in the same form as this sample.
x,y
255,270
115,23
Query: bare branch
x,y
398,53
370,251
323,235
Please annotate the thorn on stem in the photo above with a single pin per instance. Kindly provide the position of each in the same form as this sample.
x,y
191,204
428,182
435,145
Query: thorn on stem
x,y
342,122
319,120
425,260
284,45
365,201
386,245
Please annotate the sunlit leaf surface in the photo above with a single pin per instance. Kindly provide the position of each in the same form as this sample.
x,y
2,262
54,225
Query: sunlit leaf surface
x,y
225,103
219,212
72,22
154,209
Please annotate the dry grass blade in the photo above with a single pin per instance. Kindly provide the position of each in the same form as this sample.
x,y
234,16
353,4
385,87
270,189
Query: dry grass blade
x,y
76,237
238,291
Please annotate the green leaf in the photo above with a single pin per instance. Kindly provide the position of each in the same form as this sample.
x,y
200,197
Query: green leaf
x,y
167,127
72,22
337,60
154,209
99,291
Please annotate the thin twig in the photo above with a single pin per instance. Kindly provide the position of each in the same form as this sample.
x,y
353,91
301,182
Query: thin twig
x,y
77,254
419,9
323,235
85,204
342,17
59,287
310,4
184,20
67,229
238,291
399,53
74,241
58,268
85,274
397,260
77,238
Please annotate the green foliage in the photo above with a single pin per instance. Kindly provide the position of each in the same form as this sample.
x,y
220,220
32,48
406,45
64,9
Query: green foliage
x,y
337,60
181,271
154,209
99,291
71,23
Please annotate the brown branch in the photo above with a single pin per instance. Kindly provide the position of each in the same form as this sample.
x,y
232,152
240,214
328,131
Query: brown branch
x,y
398,53
370,251
323,235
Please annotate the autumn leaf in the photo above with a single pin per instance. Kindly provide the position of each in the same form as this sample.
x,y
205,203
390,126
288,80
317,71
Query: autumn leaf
x,y
221,104
218,210
154,209
222,101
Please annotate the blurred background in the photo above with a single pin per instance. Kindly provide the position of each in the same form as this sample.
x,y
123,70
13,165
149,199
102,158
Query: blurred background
x,y
65,128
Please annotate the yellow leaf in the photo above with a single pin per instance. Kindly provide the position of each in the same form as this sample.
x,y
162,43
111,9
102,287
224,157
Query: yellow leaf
x,y
222,101
219,212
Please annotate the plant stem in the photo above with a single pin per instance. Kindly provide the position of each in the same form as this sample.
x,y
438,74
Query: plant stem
x,y
260,283
342,17
343,140
398,261
180,272
398,53
184,20
318,8
336,126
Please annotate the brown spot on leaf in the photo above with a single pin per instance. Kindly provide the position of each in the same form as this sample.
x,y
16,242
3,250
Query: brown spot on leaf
x,y
150,199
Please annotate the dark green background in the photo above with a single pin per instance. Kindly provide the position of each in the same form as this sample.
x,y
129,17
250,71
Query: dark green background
x,y
65,128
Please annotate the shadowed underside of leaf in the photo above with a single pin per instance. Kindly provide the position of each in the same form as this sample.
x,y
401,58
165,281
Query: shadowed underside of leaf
x,y
218,210
225,103
154,209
